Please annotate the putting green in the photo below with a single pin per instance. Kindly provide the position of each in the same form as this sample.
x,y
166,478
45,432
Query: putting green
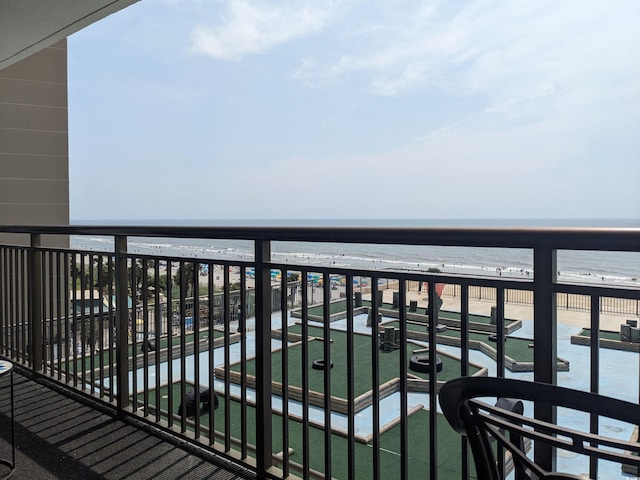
x,y
94,361
389,363
418,426
514,347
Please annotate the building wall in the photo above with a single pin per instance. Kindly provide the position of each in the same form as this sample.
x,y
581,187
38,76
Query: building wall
x,y
34,147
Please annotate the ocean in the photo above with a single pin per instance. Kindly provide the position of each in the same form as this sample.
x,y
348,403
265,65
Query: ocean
x,y
610,268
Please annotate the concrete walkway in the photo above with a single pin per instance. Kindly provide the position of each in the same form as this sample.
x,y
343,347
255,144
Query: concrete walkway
x,y
579,319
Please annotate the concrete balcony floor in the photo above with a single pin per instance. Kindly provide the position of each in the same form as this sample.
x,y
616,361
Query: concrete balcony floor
x,y
60,437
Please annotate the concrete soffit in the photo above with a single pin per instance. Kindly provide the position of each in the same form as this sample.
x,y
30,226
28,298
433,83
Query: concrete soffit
x,y
28,26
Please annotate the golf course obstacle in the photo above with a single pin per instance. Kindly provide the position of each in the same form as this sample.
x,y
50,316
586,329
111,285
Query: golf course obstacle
x,y
190,403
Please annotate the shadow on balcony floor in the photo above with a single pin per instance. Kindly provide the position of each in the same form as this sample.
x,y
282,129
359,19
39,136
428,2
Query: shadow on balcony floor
x,y
58,437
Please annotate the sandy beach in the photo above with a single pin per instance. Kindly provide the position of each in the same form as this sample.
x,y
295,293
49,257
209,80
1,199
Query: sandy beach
x,y
579,319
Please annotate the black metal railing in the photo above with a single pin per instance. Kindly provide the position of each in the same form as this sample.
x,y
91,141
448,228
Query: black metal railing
x,y
147,332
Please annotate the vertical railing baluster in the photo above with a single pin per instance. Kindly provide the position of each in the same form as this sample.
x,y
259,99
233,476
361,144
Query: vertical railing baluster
x,y
101,283
83,325
211,350
170,400
464,366
284,328
500,363
122,331
134,331
264,426
145,337
68,349
17,333
112,322
21,313
47,309
594,344
196,344
594,372
61,294
306,446
183,343
75,318
157,327
4,303
14,305
227,359
326,354
43,318
91,340
404,390
375,375
432,312
35,303
351,379
56,314
44,288
22,324
242,308
545,340
500,333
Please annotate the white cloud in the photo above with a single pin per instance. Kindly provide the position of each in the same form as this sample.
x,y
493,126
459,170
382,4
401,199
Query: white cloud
x,y
411,75
491,109
503,50
255,27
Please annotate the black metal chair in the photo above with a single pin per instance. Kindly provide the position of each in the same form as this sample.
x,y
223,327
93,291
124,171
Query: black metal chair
x,y
489,427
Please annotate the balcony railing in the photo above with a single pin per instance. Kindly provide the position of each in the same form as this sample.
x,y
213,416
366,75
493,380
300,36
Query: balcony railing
x,y
144,331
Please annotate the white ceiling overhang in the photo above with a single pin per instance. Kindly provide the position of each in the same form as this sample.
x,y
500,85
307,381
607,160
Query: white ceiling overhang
x,y
27,26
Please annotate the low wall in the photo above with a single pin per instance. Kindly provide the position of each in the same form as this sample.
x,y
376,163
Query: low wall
x,y
605,343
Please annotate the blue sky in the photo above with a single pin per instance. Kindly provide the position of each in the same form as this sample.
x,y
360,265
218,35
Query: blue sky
x,y
241,109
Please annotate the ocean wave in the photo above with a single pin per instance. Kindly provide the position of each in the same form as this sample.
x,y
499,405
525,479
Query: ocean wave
x,y
573,266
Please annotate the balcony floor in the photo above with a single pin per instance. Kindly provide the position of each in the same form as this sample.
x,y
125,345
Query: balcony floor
x,y
60,437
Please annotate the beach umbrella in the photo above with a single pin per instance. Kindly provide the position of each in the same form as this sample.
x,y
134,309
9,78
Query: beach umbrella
x,y
439,287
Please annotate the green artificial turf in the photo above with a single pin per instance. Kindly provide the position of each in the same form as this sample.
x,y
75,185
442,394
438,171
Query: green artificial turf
x,y
340,306
516,348
389,363
449,443
162,344
448,447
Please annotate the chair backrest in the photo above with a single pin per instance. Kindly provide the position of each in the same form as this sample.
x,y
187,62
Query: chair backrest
x,y
489,426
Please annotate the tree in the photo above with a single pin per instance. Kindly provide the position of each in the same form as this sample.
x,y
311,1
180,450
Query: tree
x,y
135,274
79,275
162,284
137,271
185,279
104,280
293,276
92,335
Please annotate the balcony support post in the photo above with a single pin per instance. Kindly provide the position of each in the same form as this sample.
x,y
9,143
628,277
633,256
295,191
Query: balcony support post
x,y
545,335
122,324
35,347
432,312
264,427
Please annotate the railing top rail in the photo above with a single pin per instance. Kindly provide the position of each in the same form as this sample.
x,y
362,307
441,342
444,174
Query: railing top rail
x,y
614,239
